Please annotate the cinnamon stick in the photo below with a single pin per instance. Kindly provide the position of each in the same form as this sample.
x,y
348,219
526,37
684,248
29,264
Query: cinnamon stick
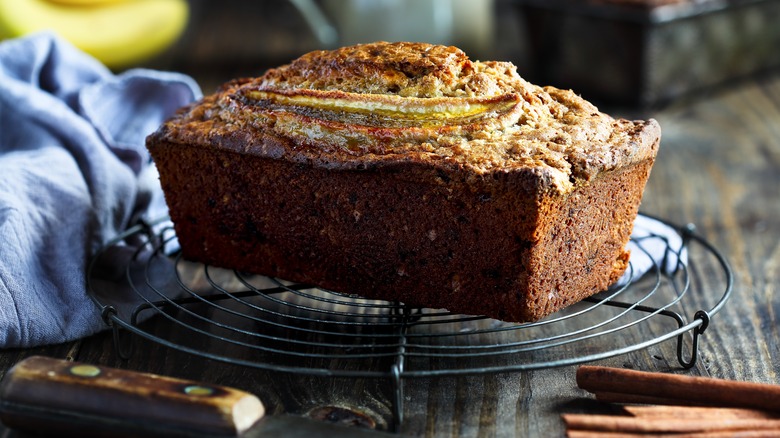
x,y
680,389
698,412
617,397
616,423
713,434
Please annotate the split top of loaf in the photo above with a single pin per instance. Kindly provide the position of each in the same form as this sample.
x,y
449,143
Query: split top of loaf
x,y
376,103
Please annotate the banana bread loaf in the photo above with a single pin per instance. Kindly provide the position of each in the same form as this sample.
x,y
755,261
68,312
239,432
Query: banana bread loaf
x,y
407,172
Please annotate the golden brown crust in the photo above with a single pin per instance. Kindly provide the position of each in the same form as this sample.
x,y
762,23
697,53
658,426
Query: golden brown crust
x,y
408,172
551,130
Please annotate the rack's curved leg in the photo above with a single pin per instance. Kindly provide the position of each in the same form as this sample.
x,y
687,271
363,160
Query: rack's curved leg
x,y
398,398
108,314
688,364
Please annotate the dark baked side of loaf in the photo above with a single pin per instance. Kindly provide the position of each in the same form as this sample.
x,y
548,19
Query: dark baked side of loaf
x,y
407,232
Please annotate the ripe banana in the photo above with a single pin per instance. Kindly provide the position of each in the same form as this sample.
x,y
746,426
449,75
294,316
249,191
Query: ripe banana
x,y
120,33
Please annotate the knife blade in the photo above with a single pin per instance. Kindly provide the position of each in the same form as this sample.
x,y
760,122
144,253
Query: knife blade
x,y
44,395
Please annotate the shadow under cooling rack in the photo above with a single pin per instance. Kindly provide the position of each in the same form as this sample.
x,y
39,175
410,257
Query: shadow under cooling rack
x,y
270,324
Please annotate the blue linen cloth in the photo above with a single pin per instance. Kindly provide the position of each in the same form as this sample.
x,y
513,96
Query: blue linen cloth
x,y
74,172
653,243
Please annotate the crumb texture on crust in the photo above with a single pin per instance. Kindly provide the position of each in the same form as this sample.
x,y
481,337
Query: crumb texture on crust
x,y
384,102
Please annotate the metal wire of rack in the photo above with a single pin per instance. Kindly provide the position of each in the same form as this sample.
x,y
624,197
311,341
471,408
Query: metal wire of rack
x,y
273,325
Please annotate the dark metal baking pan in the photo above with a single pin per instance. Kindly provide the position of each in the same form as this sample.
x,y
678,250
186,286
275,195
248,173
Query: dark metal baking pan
x,y
619,52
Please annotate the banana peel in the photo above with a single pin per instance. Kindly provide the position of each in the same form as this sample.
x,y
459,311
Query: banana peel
x,y
119,33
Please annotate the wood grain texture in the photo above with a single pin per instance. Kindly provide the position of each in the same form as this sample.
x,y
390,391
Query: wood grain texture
x,y
137,402
718,168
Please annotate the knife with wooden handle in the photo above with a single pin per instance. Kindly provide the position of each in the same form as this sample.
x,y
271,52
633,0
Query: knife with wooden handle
x,y
51,396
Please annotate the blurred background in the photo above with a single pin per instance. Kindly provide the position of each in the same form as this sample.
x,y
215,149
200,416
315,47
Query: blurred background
x,y
640,53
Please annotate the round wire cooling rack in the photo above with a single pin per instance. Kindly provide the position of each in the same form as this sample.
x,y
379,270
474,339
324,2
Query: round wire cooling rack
x,y
265,323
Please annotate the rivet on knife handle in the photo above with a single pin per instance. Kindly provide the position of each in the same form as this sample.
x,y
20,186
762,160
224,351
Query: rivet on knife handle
x,y
38,389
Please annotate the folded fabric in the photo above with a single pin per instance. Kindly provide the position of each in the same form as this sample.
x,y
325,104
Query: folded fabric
x,y
654,244
74,172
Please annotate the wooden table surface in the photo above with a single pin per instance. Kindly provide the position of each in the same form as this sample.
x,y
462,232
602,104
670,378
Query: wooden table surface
x,y
718,168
